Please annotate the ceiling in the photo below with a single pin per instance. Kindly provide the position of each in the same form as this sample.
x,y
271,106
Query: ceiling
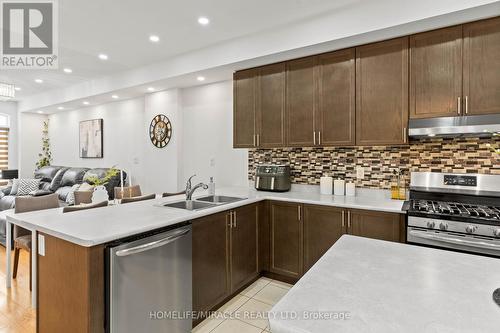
x,y
241,34
121,29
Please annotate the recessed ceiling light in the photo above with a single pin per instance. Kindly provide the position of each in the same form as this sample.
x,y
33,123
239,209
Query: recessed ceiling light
x,y
203,20
151,89
114,96
200,78
68,70
85,103
60,107
38,80
39,112
17,88
103,56
154,38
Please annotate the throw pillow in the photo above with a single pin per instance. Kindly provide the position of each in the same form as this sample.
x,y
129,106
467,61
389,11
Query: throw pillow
x,y
70,198
15,186
26,186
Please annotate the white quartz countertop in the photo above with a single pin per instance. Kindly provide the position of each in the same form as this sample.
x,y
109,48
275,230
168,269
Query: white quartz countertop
x,y
101,225
390,287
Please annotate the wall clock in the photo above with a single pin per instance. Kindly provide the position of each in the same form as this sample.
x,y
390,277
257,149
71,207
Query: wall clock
x,y
160,131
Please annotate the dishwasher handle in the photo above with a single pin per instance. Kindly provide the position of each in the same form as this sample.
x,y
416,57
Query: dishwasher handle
x,y
152,245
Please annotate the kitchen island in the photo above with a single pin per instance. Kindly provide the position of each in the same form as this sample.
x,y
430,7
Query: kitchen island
x,y
247,233
366,285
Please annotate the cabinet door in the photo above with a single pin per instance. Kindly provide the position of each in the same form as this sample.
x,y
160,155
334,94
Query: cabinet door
x,y
244,109
323,226
300,91
210,261
382,93
436,73
244,261
378,225
482,67
286,239
271,106
336,98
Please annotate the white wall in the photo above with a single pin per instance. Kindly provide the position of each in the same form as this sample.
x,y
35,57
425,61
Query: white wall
x,y
161,166
201,120
29,142
10,108
122,136
208,136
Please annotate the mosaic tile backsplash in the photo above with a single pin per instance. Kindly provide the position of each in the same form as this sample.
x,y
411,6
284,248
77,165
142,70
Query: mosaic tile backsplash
x,y
453,155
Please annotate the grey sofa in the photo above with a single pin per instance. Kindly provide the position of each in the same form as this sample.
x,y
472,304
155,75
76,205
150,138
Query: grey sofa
x,y
56,179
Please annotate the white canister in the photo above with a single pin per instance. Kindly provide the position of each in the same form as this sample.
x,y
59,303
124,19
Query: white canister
x,y
338,187
100,194
326,185
350,189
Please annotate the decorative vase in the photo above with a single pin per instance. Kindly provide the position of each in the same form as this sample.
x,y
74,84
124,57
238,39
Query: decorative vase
x,y
100,194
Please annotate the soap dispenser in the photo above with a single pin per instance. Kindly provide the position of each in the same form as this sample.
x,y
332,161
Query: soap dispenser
x,y
211,186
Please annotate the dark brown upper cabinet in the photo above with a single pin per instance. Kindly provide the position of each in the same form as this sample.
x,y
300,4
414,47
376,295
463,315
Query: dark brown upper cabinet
x,y
336,110
270,110
300,93
244,116
382,93
482,67
436,73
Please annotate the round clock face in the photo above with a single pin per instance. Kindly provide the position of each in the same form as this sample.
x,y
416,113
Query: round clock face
x,y
160,131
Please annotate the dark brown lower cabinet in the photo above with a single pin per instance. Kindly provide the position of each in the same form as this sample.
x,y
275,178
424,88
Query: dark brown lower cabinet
x,y
225,247
377,225
323,226
286,239
210,261
243,240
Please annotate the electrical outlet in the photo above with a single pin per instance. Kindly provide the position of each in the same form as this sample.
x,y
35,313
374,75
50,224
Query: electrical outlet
x,y
360,172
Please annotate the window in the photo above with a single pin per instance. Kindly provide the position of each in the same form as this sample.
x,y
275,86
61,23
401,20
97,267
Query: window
x,y
4,141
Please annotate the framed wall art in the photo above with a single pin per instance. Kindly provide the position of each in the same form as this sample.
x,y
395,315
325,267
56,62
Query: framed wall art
x,y
91,138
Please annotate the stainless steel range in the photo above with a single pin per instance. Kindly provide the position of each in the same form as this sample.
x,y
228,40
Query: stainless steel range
x,y
455,211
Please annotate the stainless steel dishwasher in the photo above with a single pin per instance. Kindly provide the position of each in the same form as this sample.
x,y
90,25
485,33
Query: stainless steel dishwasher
x,y
149,283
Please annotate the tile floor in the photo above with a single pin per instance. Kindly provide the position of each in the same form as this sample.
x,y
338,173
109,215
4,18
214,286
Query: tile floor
x,y
243,313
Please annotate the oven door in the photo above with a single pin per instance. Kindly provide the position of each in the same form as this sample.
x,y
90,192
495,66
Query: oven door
x,y
455,241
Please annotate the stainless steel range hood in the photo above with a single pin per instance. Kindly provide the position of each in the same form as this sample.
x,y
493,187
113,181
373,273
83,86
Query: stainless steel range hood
x,y
483,125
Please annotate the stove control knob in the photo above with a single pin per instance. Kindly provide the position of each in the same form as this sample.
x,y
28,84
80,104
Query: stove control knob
x,y
431,225
470,229
496,232
443,226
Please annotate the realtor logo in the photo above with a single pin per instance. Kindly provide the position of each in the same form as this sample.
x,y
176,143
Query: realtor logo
x,y
29,34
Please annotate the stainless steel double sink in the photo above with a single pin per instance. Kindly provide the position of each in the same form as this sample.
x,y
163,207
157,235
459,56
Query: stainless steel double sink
x,y
203,202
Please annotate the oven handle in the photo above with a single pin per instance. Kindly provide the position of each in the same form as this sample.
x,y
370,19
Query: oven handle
x,y
453,240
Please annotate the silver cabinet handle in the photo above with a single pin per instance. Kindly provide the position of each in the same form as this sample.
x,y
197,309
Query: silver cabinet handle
x,y
466,104
319,138
152,245
343,219
349,219
255,140
459,105
258,140
404,135
299,212
234,219
314,138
